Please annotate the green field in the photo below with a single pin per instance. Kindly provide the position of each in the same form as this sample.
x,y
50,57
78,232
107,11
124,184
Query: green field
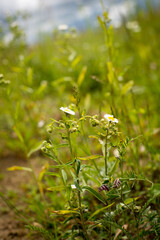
x,y
89,175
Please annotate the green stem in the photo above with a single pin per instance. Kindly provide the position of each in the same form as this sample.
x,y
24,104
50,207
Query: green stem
x,y
70,145
79,194
81,216
121,165
106,153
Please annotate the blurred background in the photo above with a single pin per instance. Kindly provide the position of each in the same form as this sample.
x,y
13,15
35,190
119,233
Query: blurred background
x,y
42,16
49,47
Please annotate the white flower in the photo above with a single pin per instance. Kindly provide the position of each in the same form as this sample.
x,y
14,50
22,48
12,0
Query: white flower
x,y
110,118
41,123
116,153
67,110
133,26
73,186
63,27
101,142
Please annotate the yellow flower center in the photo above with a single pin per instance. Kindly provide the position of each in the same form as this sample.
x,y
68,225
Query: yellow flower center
x,y
111,118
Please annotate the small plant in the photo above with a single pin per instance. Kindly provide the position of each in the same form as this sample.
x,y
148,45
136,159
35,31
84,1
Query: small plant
x,y
96,174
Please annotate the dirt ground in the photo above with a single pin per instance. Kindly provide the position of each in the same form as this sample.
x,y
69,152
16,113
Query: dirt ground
x,y
11,185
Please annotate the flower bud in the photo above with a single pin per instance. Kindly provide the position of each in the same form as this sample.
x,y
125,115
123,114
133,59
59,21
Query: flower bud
x,y
116,183
44,149
103,188
94,122
72,130
49,130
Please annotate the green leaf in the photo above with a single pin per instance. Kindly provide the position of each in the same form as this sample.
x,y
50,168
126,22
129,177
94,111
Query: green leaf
x,y
78,166
15,168
96,194
130,200
76,61
61,80
94,136
101,210
19,135
82,75
37,146
77,185
52,174
92,157
127,87
30,76
66,165
110,72
91,177
101,22
42,172
41,89
114,167
51,157
62,145
63,212
64,175
155,189
56,188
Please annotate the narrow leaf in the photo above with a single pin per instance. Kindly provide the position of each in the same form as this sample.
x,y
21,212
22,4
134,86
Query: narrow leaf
x,y
64,175
42,172
82,75
127,87
114,167
56,188
130,200
14,168
63,212
96,194
61,80
110,72
76,61
19,135
77,185
78,166
37,146
100,210
92,157
52,174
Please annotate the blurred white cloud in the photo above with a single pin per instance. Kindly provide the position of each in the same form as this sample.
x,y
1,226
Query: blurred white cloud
x,y
48,14
14,5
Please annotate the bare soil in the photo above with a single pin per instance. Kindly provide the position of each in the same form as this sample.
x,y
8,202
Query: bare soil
x,y
11,185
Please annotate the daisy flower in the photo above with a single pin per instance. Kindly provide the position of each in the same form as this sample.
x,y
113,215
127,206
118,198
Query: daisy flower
x,y
67,110
110,118
73,186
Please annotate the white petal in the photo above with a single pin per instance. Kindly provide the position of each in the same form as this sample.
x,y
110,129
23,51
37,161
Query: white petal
x,y
67,110
107,115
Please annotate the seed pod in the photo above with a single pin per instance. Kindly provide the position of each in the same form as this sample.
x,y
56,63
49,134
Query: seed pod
x,y
103,188
49,130
72,130
116,183
94,122
44,149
